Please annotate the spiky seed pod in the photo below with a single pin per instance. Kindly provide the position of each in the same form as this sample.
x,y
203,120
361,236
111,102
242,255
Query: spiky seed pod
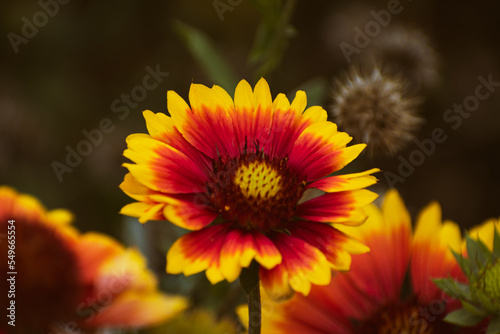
x,y
406,51
376,110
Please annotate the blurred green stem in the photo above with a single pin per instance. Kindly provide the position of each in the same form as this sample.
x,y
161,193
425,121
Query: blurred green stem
x,y
249,279
272,35
254,311
206,54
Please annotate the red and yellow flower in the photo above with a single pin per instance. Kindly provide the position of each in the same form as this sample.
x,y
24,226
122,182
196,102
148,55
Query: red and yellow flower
x,y
373,297
240,175
67,281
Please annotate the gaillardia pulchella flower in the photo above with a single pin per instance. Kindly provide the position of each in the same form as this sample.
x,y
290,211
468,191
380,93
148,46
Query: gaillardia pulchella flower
x,y
68,282
376,109
239,174
373,297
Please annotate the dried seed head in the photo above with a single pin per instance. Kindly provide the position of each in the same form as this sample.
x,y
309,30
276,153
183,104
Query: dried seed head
x,y
376,110
408,52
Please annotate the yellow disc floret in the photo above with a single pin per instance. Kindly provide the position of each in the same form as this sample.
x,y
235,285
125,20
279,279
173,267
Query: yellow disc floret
x,y
255,192
257,179
398,319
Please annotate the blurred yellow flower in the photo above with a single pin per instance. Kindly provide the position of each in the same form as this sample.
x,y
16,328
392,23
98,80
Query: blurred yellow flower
x,y
196,322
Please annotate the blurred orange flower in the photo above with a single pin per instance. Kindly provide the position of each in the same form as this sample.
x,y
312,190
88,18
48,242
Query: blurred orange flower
x,y
373,296
67,281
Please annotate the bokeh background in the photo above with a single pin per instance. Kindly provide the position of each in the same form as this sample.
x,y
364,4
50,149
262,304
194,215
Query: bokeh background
x,y
64,79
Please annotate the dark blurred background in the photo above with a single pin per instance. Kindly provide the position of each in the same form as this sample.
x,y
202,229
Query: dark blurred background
x,y
64,79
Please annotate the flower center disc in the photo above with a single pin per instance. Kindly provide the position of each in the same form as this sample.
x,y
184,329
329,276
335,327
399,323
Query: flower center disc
x,y
406,318
258,180
404,321
255,192
47,285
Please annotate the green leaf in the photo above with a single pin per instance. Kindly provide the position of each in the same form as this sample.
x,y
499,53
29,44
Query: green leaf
x,y
473,309
463,318
494,327
485,251
477,251
249,277
272,35
464,263
486,301
453,288
205,53
496,243
472,248
270,11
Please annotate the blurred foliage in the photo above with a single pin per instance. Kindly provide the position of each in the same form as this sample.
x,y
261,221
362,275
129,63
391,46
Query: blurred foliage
x,y
316,89
197,322
272,35
207,56
271,41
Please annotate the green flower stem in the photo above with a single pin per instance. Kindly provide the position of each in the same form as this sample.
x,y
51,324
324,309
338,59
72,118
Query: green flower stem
x,y
254,311
249,279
